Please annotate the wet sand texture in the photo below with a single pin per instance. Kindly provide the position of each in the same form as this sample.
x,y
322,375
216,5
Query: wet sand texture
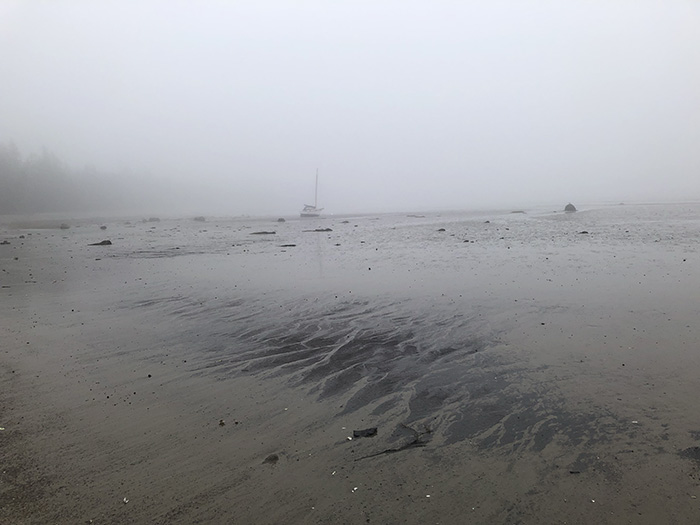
x,y
516,370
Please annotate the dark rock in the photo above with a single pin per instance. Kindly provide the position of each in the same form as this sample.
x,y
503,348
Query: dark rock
x,y
5,242
281,219
365,433
584,232
103,227
263,233
569,208
319,230
271,459
518,211
287,245
199,218
64,226
102,243
441,230
487,222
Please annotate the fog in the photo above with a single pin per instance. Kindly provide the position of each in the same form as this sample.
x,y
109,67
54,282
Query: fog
x,y
231,107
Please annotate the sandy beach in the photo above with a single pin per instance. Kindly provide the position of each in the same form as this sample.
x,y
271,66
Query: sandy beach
x,y
536,367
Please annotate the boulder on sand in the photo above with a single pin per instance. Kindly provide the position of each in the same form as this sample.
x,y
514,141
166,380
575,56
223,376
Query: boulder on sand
x,y
569,207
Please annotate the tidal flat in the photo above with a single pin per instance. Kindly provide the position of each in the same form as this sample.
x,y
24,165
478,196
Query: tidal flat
x,y
537,367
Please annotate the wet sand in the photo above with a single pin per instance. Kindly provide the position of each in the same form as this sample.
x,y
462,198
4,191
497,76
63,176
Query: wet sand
x,y
517,370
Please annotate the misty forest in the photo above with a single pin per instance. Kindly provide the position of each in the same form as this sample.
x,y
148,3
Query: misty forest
x,y
43,183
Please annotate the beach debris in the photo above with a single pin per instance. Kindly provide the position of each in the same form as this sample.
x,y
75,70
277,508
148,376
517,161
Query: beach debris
x,y
199,218
3,428
518,211
318,230
5,242
367,432
125,500
106,242
419,440
221,422
441,230
281,219
263,233
569,208
271,459
287,245
103,227
583,232
64,226
355,489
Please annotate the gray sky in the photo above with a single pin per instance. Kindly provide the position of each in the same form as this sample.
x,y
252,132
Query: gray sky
x,y
401,105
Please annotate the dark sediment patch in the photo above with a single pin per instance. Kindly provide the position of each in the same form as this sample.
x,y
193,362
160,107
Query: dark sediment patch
x,y
383,358
692,453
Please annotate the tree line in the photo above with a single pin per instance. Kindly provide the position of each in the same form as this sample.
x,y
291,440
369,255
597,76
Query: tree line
x,y
43,183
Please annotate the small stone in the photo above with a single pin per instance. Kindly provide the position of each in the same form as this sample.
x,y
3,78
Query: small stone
x,y
271,459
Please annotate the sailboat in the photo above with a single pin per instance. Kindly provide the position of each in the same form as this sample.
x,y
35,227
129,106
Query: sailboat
x,y
309,210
